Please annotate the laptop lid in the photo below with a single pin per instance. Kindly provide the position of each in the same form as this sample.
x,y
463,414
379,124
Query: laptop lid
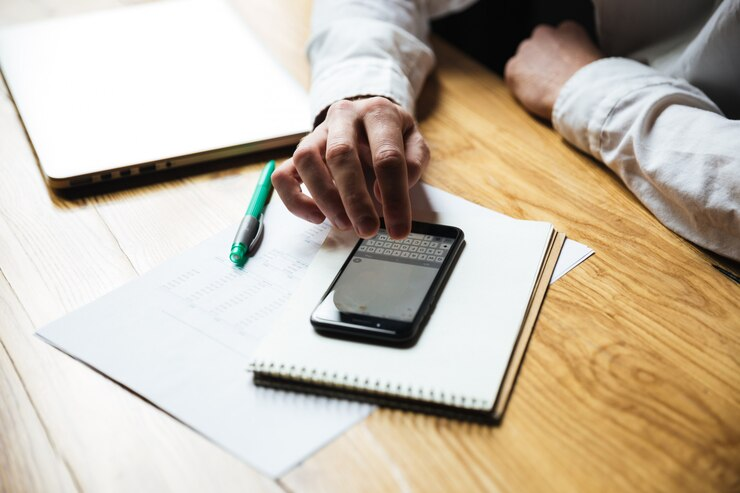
x,y
138,89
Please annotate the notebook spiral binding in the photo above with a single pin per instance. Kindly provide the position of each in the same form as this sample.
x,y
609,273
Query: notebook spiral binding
x,y
366,384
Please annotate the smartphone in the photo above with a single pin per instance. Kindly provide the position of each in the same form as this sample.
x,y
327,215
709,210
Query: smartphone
x,y
387,289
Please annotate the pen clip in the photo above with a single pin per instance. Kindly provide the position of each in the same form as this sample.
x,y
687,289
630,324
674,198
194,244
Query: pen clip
x,y
257,236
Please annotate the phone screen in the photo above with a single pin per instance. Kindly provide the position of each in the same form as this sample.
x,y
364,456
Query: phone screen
x,y
387,278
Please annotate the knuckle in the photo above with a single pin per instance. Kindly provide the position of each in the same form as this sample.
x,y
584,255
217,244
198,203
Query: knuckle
x,y
525,45
421,143
408,123
426,153
378,104
414,173
413,166
305,153
379,100
388,157
279,177
338,151
541,30
339,106
508,69
569,25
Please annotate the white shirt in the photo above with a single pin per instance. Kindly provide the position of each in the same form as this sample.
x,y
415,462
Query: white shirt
x,y
665,127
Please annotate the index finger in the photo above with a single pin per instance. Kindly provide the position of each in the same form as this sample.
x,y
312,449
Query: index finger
x,y
384,127
344,163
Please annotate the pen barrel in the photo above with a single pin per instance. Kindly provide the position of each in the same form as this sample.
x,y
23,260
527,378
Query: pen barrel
x,y
247,231
261,191
245,240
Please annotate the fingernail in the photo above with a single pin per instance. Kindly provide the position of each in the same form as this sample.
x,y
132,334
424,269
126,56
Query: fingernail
x,y
366,226
342,222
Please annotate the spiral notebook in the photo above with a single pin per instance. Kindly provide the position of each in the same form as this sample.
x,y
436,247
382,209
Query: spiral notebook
x,y
464,364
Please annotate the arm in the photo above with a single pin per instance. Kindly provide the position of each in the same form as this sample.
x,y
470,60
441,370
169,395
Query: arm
x,y
666,140
362,48
378,48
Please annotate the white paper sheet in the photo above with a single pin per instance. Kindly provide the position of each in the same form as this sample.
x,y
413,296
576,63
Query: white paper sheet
x,y
181,337
572,254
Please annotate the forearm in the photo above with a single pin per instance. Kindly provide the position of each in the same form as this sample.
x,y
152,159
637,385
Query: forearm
x,y
666,140
377,47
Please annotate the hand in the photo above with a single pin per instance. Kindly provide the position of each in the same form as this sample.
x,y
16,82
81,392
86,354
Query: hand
x,y
544,62
373,139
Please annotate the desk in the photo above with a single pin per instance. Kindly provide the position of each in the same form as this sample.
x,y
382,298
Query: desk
x,y
631,383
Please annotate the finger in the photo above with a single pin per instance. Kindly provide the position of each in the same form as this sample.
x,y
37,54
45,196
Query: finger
x,y
344,164
309,162
509,69
572,27
385,127
287,184
543,31
417,155
523,46
417,159
576,33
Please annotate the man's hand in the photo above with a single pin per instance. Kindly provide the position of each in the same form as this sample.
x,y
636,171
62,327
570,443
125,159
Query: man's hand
x,y
373,139
544,62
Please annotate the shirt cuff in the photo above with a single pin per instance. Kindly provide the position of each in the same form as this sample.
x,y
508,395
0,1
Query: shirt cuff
x,y
588,98
360,77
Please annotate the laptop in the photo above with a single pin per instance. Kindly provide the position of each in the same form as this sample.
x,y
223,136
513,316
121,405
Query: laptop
x,y
135,90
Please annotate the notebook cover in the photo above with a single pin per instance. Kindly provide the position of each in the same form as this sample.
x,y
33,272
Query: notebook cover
x,y
490,417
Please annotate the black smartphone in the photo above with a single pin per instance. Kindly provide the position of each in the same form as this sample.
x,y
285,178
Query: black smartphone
x,y
387,289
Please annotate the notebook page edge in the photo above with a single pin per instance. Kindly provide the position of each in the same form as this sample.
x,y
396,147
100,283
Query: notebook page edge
x,y
520,349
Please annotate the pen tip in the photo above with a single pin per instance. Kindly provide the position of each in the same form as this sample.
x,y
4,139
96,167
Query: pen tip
x,y
238,253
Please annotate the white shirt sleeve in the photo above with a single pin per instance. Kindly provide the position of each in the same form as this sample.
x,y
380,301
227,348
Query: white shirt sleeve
x,y
668,142
372,47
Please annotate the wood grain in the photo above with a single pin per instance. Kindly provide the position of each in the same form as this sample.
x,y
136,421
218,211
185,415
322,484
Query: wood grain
x,y
24,443
632,377
56,255
631,383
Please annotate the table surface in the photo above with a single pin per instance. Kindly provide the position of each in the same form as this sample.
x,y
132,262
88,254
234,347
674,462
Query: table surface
x,y
631,382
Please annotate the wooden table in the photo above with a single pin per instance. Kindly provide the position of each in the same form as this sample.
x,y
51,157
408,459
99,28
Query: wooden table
x,y
631,383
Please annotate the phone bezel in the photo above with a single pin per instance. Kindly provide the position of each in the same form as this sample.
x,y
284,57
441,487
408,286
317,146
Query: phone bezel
x,y
385,330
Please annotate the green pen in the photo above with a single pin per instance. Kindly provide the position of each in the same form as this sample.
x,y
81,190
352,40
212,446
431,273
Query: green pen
x,y
250,229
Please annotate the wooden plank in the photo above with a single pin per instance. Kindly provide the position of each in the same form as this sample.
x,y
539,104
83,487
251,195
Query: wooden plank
x,y
28,460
